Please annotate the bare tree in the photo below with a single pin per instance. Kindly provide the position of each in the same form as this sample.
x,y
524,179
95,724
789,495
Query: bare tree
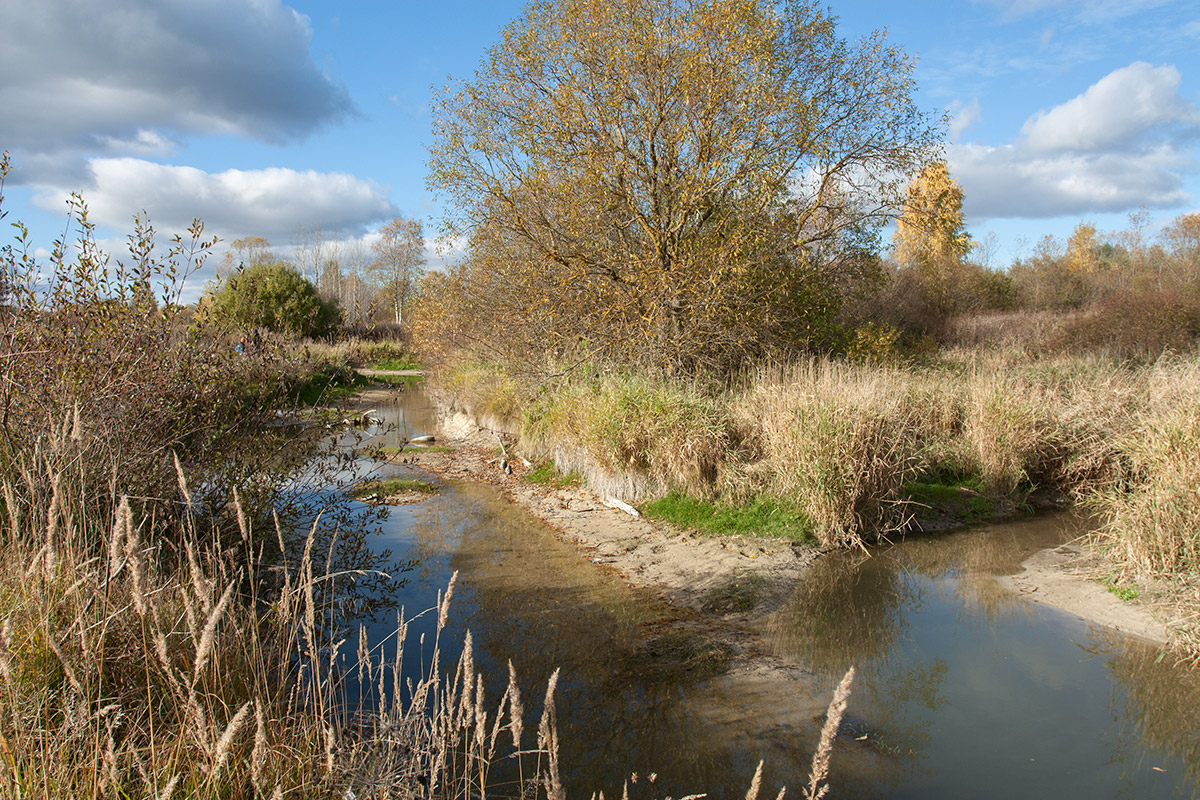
x,y
399,261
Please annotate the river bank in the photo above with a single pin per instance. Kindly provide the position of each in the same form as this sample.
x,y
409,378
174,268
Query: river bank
x,y
943,650
698,571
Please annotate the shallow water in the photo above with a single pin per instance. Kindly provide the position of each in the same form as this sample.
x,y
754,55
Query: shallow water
x,y
964,689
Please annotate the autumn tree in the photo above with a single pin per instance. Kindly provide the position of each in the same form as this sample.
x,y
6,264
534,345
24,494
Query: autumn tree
x,y
399,260
1083,249
666,181
1181,240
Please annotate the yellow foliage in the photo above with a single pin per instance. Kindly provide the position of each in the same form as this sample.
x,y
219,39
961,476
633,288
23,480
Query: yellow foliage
x,y
930,231
653,180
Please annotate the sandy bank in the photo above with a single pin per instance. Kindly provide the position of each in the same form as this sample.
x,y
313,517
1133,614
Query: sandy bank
x,y
685,569
688,569
1060,577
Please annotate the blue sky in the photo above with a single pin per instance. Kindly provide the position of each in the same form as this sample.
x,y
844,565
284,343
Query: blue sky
x,y
266,118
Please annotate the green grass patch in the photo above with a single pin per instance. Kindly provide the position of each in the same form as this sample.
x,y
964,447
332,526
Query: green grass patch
x,y
738,595
394,363
960,500
548,475
391,487
329,385
1125,593
388,453
762,517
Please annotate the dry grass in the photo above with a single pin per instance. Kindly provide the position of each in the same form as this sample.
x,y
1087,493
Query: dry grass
x,y
631,436
134,669
1151,517
131,668
838,440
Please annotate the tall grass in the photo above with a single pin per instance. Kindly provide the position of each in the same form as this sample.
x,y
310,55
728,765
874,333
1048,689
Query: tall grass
x,y
840,441
837,441
134,668
632,436
1151,529
137,668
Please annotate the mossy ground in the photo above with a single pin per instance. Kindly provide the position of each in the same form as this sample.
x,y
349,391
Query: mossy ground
x,y
761,517
548,475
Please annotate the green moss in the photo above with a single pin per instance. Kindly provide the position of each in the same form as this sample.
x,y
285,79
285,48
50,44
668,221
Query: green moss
x,y
762,517
548,475
960,500
391,487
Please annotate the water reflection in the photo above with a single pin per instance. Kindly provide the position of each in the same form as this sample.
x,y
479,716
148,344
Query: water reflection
x,y
964,690
975,693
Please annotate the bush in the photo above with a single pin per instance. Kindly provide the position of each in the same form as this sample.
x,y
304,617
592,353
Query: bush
x,y
274,296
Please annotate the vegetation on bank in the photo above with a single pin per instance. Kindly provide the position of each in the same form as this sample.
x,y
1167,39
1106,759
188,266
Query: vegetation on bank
x,y
849,451
166,628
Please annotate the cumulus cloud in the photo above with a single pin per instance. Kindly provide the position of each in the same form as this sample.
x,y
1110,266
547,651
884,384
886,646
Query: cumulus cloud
x,y
1011,181
1116,111
963,117
128,76
274,203
1123,143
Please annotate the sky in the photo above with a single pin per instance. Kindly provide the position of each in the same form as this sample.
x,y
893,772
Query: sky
x,y
271,119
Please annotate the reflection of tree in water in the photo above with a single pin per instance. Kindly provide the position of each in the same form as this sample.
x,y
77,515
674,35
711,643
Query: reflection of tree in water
x,y
854,609
529,598
1159,702
974,557
847,611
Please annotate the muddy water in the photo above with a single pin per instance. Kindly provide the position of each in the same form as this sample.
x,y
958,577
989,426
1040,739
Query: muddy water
x,y
964,689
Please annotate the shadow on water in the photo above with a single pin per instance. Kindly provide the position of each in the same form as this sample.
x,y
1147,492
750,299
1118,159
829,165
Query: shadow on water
x,y
964,689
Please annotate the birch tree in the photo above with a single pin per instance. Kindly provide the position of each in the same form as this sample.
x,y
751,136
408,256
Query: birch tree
x,y
399,260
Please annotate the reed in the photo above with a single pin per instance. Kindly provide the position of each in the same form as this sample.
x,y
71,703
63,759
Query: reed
x,y
173,667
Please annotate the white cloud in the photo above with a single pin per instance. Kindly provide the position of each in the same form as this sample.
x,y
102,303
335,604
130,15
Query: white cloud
x,y
1123,143
274,203
133,74
963,117
1086,11
1011,181
1115,111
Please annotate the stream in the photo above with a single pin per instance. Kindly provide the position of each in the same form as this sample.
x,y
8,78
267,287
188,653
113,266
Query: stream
x,y
964,689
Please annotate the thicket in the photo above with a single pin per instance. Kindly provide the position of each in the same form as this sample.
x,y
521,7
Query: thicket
x,y
274,296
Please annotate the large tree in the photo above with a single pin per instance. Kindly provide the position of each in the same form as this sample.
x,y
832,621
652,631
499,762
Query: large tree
x,y
275,296
668,180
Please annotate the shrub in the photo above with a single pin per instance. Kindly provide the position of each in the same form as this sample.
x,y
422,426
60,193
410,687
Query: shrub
x,y
276,297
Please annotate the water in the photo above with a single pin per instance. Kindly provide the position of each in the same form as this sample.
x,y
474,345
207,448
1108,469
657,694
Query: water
x,y
964,689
